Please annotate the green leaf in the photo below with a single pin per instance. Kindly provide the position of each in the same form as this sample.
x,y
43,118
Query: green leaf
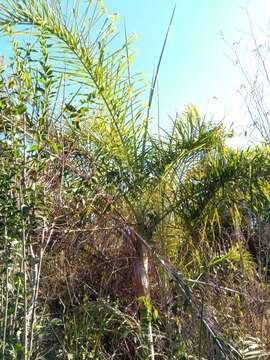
x,y
20,109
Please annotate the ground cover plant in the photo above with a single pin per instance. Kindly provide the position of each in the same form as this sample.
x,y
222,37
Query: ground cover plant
x,y
116,242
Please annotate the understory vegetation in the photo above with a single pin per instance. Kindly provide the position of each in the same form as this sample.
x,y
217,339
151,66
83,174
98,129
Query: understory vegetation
x,y
119,242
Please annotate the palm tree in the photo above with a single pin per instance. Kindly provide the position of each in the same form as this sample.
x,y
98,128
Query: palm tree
x,y
150,178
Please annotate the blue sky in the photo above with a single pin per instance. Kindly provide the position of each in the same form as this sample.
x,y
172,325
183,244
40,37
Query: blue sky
x,y
196,67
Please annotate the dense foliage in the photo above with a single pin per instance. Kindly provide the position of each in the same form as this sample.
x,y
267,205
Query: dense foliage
x,y
116,242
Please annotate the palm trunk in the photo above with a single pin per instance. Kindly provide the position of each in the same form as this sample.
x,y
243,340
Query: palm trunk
x,y
142,291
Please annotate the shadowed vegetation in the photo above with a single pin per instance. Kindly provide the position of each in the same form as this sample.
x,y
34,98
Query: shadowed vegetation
x,y
116,242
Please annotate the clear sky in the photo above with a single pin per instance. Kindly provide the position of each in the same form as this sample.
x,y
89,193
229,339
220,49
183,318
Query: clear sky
x,y
196,67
